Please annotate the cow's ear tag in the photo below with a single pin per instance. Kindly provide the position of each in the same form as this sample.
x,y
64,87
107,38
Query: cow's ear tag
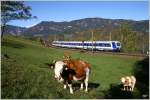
x,y
52,67
66,68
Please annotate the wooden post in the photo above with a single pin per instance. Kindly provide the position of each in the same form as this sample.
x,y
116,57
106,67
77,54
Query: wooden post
x,y
110,36
143,44
83,45
92,42
55,37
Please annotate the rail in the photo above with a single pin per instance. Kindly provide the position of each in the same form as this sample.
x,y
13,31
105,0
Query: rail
x,y
103,52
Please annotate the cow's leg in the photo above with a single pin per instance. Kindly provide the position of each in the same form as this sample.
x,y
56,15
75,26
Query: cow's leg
x,y
81,87
133,85
86,84
86,80
65,86
124,88
130,88
70,87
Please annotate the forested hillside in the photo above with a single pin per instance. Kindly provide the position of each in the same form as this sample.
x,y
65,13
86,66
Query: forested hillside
x,y
132,34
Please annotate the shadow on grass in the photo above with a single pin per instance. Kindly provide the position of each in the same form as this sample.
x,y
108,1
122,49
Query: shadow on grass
x,y
141,72
115,92
141,90
12,44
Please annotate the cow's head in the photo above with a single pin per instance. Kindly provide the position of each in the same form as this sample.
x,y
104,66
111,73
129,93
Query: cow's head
x,y
66,57
52,65
123,80
60,66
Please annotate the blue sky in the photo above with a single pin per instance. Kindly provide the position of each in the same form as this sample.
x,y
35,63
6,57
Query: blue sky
x,y
72,10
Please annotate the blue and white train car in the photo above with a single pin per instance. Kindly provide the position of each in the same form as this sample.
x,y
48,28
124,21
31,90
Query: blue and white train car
x,y
96,45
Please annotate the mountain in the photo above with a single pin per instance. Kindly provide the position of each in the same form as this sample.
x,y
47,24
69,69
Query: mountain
x,y
14,30
46,28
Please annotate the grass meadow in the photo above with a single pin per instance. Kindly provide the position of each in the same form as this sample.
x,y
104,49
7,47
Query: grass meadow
x,y
24,73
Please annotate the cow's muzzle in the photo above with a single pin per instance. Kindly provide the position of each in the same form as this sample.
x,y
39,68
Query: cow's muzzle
x,y
57,78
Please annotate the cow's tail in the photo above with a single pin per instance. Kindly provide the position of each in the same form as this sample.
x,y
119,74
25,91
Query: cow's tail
x,y
89,68
88,71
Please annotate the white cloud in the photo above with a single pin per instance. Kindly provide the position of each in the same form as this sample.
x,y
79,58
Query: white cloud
x,y
28,26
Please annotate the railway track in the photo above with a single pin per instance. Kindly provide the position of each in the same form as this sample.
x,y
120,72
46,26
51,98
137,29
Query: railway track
x,y
125,54
102,52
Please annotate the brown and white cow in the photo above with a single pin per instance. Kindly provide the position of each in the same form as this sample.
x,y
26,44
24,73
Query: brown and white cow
x,y
128,83
68,70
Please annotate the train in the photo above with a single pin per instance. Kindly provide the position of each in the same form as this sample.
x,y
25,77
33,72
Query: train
x,y
90,45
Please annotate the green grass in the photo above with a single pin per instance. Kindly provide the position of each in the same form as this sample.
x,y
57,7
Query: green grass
x,y
25,75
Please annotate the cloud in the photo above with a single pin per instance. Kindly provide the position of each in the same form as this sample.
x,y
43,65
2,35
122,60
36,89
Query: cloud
x,y
31,25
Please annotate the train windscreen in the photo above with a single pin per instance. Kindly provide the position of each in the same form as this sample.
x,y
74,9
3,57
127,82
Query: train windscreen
x,y
118,44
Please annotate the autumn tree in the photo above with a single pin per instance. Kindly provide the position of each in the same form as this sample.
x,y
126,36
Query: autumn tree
x,y
128,38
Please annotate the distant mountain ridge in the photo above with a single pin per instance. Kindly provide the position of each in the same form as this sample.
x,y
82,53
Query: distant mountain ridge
x,y
14,30
46,28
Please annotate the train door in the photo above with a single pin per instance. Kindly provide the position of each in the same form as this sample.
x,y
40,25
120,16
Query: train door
x,y
113,45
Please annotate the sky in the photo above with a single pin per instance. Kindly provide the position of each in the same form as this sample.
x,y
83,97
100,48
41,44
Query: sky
x,y
73,10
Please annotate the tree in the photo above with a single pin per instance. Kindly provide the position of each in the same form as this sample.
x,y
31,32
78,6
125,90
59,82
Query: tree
x,y
128,38
13,10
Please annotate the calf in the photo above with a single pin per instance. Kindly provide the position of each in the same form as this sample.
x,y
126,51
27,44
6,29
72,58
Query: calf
x,y
69,70
128,83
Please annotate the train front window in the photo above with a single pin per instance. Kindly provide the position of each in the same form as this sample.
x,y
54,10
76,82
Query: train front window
x,y
118,44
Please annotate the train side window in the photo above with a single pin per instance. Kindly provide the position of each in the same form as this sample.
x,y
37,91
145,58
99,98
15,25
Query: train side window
x,y
90,44
101,44
107,45
96,44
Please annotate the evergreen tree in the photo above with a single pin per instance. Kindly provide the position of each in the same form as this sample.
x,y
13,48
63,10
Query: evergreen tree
x,y
13,10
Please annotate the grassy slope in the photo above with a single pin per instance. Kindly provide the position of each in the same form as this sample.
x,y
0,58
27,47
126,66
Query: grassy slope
x,y
25,75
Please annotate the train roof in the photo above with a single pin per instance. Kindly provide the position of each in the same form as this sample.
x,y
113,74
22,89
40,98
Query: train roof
x,y
84,41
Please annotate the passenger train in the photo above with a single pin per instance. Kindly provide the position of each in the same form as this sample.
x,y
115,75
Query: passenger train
x,y
95,45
